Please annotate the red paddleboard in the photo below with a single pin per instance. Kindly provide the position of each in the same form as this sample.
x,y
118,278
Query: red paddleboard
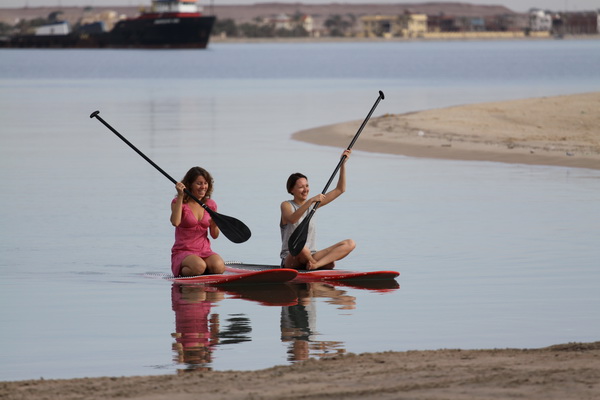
x,y
342,275
318,275
241,277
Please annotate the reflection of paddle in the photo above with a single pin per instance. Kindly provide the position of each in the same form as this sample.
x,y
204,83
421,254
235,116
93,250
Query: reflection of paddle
x,y
234,229
298,238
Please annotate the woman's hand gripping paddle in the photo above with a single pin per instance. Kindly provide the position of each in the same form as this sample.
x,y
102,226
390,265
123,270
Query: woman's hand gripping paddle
x,y
234,229
298,238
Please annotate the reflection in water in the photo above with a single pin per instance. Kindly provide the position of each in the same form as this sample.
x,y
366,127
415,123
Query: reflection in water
x,y
269,294
236,331
298,322
198,332
194,335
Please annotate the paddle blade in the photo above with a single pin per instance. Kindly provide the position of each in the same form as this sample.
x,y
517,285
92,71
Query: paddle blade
x,y
233,229
298,238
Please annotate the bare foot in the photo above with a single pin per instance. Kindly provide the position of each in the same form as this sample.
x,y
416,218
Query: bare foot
x,y
311,264
315,265
330,265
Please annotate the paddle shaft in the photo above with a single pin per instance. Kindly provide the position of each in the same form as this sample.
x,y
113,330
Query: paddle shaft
x,y
337,168
298,237
162,171
233,229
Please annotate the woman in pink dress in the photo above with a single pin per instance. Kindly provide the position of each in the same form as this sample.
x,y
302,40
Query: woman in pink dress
x,y
191,254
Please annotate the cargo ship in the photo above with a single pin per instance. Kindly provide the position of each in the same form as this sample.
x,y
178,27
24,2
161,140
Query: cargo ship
x,y
169,24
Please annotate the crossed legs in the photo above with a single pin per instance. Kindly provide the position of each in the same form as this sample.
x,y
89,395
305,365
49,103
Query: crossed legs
x,y
322,259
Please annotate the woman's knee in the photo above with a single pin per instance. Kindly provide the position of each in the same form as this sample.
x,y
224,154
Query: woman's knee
x,y
349,244
217,268
215,264
192,266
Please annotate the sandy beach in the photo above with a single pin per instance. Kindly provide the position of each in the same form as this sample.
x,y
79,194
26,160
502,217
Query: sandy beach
x,y
570,371
561,131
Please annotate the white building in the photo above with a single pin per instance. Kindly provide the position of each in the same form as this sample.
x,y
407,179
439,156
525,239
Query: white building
x,y
59,28
540,20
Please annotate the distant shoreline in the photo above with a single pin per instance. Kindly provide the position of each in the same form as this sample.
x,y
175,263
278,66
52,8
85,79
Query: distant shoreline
x,y
220,40
559,131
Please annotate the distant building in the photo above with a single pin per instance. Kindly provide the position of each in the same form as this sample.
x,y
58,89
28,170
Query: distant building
x,y
405,25
412,25
507,23
540,20
308,24
377,25
59,28
281,21
284,21
577,23
470,24
494,23
581,23
441,23
108,19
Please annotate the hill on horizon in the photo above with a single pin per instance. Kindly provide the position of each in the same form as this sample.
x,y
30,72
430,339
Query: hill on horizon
x,y
247,13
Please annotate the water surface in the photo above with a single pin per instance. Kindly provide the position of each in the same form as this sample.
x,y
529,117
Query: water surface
x,y
490,254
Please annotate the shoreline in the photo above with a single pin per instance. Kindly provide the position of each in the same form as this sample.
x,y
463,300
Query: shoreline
x,y
559,131
554,372
331,39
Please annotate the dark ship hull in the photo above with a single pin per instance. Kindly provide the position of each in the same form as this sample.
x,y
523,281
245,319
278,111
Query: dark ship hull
x,y
176,31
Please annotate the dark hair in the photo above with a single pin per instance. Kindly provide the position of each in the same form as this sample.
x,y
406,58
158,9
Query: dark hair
x,y
291,182
191,176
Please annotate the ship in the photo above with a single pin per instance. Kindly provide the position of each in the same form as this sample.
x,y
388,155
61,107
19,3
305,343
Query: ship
x,y
169,24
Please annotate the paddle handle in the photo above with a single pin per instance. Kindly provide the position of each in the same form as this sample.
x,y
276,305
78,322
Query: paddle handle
x,y
169,177
362,126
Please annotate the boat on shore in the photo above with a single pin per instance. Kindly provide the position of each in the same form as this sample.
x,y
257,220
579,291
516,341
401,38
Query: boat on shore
x,y
169,24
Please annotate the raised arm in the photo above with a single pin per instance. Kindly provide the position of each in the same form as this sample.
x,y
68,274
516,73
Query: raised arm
x,y
341,184
177,205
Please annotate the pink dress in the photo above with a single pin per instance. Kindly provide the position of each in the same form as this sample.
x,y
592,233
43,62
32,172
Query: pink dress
x,y
191,236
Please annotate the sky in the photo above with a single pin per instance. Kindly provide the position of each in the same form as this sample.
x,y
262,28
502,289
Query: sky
x,y
515,5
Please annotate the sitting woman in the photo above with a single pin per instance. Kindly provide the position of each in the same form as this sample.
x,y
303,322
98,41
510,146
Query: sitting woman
x,y
191,254
295,210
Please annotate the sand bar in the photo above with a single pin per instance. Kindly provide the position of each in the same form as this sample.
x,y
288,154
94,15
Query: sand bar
x,y
560,131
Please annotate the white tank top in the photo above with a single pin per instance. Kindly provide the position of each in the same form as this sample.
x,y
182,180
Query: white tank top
x,y
288,229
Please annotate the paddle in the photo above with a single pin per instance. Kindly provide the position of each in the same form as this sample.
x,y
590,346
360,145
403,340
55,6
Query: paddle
x,y
298,238
234,229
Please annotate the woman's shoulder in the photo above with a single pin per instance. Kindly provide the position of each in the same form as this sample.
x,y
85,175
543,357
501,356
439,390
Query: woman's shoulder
x,y
289,206
174,200
211,203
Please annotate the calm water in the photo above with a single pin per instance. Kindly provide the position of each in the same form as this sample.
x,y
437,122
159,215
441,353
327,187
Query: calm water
x,y
490,255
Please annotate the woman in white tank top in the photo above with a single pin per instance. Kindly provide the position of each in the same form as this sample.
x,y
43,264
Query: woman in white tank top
x,y
295,210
